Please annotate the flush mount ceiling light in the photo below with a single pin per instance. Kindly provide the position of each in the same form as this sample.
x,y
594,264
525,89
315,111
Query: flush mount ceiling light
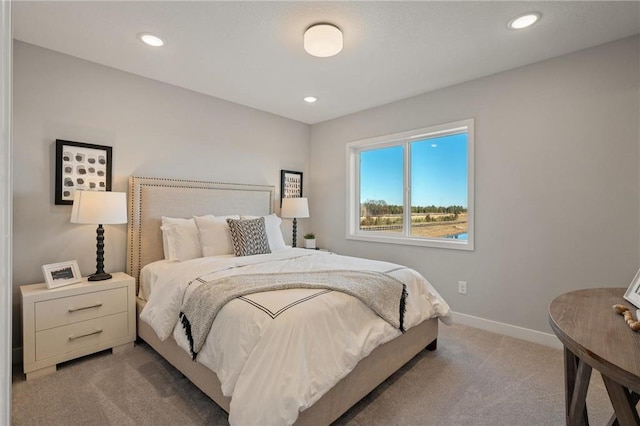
x,y
310,99
323,40
524,21
151,40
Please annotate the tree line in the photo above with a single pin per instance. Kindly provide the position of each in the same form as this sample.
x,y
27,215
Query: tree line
x,y
381,208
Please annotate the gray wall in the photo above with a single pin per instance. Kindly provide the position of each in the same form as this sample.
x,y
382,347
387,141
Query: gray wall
x,y
557,182
557,159
155,129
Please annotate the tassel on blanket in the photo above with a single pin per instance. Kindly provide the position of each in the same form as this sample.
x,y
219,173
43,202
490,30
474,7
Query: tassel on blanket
x,y
403,307
187,329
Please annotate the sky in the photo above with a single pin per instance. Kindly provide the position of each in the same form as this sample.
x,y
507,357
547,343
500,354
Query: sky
x,y
439,172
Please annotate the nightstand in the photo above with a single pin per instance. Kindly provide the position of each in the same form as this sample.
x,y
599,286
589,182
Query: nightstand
x,y
68,322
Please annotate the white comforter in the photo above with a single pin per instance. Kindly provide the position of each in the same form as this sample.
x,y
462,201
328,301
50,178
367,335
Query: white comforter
x,y
278,352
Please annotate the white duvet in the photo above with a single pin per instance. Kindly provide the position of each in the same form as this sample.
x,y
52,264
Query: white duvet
x,y
278,352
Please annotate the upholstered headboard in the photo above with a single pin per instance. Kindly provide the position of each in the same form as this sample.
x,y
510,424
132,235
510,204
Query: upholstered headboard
x,y
152,198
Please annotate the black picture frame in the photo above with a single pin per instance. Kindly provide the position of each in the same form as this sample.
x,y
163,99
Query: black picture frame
x,y
81,165
290,184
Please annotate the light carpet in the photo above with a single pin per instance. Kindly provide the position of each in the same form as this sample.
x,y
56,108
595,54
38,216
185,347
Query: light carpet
x,y
474,378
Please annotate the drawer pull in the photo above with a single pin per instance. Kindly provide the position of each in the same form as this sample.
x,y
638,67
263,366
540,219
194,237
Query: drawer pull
x,y
85,335
97,305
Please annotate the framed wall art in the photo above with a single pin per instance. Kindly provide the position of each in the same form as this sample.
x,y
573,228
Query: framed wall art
x,y
83,166
290,184
60,274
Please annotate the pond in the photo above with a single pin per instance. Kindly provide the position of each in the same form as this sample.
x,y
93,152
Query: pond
x,y
462,236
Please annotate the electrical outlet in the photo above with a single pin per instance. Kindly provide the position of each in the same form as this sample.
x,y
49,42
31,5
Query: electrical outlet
x,y
462,287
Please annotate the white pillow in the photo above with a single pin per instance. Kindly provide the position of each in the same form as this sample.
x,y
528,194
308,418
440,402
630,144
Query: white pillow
x,y
215,236
180,239
165,243
274,233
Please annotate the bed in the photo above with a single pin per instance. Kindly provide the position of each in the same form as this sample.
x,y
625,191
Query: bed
x,y
152,198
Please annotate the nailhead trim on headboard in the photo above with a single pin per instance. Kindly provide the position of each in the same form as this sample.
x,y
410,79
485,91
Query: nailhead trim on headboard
x,y
137,212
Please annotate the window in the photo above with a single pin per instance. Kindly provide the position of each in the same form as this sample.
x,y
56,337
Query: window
x,y
413,187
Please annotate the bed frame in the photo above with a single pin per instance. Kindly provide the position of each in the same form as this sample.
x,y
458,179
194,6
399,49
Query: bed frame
x,y
152,198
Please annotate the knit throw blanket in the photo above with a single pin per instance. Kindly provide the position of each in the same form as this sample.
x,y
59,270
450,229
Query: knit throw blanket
x,y
382,293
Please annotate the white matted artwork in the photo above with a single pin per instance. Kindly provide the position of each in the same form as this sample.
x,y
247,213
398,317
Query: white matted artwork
x,y
633,292
61,274
290,184
81,166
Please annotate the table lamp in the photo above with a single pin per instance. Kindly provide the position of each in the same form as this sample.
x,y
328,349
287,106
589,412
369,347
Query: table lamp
x,y
294,208
99,208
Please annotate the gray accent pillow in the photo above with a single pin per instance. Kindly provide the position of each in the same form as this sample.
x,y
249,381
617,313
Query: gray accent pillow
x,y
249,236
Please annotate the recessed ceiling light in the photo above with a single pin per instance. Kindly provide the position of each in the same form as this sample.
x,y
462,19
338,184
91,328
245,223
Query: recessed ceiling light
x,y
310,99
151,39
323,40
524,21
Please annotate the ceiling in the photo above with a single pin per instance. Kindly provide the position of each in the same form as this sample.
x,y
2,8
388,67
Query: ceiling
x,y
251,52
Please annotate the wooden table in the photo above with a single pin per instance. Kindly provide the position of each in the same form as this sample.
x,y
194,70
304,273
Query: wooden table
x,y
595,336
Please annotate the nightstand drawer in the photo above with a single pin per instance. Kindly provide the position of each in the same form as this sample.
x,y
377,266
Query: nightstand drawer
x,y
68,310
61,340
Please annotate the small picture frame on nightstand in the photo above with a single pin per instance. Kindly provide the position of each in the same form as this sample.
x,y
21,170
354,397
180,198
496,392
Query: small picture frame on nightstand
x,y
61,274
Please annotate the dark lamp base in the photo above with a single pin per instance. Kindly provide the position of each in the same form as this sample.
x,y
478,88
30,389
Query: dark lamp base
x,y
99,277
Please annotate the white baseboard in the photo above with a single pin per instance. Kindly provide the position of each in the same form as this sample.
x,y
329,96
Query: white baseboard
x,y
527,334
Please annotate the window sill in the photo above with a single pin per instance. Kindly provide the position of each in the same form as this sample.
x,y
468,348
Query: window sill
x,y
408,241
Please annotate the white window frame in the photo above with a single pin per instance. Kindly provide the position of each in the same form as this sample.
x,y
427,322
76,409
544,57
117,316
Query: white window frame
x,y
404,139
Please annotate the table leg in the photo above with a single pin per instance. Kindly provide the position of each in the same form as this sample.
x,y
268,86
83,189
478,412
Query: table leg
x,y
576,379
634,402
623,403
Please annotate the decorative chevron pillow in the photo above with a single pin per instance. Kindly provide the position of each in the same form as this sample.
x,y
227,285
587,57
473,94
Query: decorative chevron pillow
x,y
249,236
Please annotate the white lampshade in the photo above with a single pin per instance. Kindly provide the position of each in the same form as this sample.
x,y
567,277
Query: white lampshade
x,y
99,207
294,207
323,40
